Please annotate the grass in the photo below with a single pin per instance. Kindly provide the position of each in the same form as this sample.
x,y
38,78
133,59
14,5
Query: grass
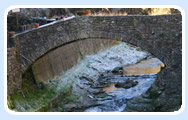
x,y
31,98
10,102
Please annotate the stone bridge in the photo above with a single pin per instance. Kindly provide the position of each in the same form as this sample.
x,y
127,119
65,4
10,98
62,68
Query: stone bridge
x,y
159,35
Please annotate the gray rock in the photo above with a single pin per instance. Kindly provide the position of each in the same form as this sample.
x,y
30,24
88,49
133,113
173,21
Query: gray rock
x,y
128,84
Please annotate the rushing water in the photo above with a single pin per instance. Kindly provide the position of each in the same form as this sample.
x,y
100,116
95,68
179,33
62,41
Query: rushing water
x,y
116,99
92,72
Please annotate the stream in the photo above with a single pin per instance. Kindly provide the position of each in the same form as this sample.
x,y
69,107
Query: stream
x,y
99,82
116,99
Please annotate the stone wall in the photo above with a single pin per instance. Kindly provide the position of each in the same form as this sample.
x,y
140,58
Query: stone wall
x,y
159,35
13,73
54,63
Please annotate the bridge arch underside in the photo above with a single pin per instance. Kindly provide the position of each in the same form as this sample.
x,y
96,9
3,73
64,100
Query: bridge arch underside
x,y
159,35
56,61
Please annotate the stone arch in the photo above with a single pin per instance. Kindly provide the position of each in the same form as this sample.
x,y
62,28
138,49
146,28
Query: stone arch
x,y
159,35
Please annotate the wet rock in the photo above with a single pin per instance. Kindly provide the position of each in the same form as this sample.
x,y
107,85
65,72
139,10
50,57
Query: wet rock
x,y
96,91
102,95
139,104
86,78
117,70
116,100
128,84
133,107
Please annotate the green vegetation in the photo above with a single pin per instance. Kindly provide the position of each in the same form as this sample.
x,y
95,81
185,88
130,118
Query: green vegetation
x,y
72,98
80,55
9,102
31,98
58,103
139,49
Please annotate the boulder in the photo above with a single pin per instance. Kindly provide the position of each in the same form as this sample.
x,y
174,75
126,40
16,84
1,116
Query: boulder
x,y
128,84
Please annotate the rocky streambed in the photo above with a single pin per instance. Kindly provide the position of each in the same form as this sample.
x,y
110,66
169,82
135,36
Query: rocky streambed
x,y
102,82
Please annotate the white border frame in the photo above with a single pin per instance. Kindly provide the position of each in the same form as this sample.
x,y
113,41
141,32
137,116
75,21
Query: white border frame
x,y
94,113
